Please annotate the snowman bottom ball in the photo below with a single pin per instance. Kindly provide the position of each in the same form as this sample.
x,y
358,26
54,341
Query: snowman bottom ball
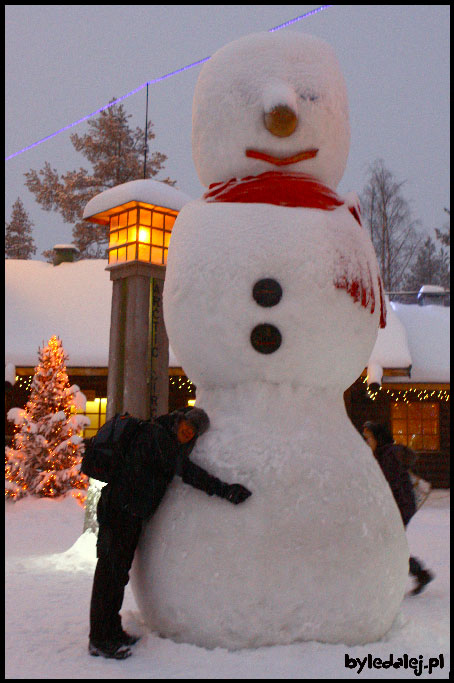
x,y
302,559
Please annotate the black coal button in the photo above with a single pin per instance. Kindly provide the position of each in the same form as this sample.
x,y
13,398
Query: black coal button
x,y
266,338
267,292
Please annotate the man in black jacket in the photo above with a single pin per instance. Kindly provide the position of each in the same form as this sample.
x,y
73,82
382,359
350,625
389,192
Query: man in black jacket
x,y
381,443
158,451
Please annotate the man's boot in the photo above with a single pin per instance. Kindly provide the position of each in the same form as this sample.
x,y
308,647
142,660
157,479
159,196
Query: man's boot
x,y
109,650
422,579
128,639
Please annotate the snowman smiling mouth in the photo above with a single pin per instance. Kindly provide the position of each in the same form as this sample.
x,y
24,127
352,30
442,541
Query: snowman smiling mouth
x,y
277,161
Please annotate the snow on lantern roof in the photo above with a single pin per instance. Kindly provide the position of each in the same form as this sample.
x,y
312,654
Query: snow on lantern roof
x,y
147,190
72,301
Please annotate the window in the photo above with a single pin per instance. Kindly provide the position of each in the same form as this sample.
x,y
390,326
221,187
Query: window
x,y
416,425
95,410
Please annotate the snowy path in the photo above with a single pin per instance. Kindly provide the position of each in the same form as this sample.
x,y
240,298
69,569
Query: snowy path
x,y
48,592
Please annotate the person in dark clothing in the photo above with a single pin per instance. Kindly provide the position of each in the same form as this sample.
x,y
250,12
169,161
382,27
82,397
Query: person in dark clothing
x,y
391,458
158,451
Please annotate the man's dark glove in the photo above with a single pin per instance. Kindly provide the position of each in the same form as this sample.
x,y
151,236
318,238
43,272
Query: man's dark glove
x,y
235,493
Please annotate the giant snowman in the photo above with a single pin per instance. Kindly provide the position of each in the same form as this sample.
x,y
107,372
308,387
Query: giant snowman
x,y
272,303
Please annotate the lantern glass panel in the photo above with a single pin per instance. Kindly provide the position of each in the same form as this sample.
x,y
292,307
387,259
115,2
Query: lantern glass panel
x,y
132,234
123,219
145,217
132,252
167,239
121,255
156,237
158,220
132,217
144,252
144,234
170,220
156,255
122,236
113,256
114,222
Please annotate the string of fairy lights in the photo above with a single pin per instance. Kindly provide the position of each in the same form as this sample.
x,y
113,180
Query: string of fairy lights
x,y
180,382
406,394
409,394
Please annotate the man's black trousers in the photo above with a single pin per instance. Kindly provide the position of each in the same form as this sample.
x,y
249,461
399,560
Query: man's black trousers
x,y
118,537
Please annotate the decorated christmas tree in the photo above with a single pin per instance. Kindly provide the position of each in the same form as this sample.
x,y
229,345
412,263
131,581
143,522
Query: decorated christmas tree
x,y
47,447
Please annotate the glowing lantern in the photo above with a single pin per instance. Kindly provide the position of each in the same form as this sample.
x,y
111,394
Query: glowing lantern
x,y
138,231
140,215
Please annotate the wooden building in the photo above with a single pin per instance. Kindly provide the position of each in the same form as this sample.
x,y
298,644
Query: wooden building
x,y
406,384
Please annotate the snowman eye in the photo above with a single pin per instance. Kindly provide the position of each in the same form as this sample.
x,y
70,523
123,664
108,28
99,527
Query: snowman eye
x,y
308,95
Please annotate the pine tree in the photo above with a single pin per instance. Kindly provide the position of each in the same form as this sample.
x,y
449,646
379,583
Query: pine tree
x,y
19,242
47,449
445,235
431,267
116,153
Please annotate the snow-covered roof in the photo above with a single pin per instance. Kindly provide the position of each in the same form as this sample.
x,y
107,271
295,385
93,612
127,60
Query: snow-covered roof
x,y
431,289
73,300
391,348
147,190
65,246
414,335
428,334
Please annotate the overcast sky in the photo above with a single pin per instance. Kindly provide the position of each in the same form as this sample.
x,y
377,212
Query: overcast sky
x,y
66,61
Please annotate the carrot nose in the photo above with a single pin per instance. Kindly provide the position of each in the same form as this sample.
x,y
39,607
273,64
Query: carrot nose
x,y
281,121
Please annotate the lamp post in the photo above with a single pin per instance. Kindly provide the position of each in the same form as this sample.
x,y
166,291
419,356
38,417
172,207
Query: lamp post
x,y
140,215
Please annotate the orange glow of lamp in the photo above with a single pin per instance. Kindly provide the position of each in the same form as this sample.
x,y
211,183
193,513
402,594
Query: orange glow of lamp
x,y
137,232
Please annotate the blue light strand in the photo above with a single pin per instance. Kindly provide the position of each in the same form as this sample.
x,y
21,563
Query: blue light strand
x,y
302,16
155,80
111,104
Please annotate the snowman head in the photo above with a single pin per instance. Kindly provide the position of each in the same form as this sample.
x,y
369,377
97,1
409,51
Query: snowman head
x,y
271,101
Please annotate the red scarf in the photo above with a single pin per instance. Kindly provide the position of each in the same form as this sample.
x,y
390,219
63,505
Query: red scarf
x,y
297,190
275,187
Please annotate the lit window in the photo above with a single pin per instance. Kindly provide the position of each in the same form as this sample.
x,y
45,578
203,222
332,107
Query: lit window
x,y
416,425
96,412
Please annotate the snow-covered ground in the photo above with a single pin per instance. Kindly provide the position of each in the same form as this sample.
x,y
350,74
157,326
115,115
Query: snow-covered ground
x,y
49,569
